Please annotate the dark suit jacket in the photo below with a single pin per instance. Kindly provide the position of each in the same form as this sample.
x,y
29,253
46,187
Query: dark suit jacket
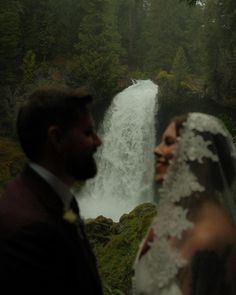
x,y
40,252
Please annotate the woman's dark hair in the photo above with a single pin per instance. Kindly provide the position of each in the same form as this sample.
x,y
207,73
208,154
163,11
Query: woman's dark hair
x,y
48,106
179,120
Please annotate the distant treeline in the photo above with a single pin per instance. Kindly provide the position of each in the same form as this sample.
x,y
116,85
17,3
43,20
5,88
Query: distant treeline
x,y
100,44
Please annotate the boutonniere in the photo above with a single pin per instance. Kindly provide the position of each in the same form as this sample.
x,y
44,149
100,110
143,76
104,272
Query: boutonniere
x,y
70,216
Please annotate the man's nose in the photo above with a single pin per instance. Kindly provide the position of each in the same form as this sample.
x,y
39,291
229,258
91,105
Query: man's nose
x,y
97,140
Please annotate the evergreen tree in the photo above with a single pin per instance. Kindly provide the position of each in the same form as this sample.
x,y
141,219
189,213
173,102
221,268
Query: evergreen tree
x,y
168,29
10,52
131,15
9,41
219,45
97,62
28,67
67,17
38,29
180,67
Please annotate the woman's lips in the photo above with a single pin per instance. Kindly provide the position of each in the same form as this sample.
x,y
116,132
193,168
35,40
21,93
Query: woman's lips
x,y
161,167
162,163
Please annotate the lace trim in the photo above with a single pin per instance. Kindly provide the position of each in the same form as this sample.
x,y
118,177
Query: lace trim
x,y
207,123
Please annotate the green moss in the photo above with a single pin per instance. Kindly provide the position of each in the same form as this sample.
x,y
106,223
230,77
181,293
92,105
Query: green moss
x,y
116,253
99,231
173,90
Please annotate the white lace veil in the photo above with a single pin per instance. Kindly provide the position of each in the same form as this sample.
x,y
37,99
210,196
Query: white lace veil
x,y
203,166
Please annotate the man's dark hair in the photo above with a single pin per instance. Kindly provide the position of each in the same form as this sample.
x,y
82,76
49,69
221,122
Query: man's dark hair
x,y
48,106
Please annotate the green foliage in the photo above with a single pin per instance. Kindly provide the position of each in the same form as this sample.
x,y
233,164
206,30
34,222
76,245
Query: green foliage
x,y
9,41
219,42
116,253
191,2
167,87
38,28
7,110
172,90
67,19
180,67
131,19
12,160
170,25
137,74
5,118
99,43
230,124
97,62
109,291
29,67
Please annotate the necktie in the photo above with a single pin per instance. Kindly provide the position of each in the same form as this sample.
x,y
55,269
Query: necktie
x,y
79,223
74,206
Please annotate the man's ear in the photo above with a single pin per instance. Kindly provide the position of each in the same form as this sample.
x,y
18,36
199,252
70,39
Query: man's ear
x,y
55,136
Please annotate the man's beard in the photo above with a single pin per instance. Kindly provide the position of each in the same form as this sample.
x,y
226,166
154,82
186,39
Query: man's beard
x,y
82,169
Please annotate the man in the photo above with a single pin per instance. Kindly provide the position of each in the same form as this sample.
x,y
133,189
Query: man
x,y
43,247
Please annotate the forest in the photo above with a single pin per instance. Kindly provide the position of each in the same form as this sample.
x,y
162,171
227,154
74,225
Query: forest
x,y
186,47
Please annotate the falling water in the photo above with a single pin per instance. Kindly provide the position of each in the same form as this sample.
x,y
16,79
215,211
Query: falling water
x,y
125,160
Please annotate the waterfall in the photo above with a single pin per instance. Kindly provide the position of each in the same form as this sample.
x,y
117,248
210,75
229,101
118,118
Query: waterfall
x,y
125,160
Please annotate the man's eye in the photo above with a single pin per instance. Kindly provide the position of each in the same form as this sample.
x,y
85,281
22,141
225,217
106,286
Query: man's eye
x,y
88,132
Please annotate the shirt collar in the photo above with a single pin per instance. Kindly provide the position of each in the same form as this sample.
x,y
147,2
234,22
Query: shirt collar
x,y
61,189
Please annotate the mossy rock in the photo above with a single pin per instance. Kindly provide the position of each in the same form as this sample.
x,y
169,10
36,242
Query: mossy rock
x,y
117,249
99,231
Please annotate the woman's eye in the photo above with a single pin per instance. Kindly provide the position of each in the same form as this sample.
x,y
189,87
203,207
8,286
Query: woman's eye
x,y
169,141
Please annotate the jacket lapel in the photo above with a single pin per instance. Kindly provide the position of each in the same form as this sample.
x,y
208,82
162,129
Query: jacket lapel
x,y
53,205
45,194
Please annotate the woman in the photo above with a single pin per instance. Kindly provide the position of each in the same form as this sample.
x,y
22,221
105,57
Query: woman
x,y
191,246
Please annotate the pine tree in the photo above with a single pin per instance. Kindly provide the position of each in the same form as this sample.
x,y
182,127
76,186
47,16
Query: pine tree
x,y
219,45
168,28
28,67
9,41
97,62
67,17
180,67
38,28
132,16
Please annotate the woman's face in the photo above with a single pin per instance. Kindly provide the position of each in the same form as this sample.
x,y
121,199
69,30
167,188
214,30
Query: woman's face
x,y
164,151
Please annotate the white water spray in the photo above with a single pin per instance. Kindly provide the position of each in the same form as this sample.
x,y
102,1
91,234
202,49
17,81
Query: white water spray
x,y
125,160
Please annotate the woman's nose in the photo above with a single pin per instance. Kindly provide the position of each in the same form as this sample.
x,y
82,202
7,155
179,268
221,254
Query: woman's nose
x,y
157,150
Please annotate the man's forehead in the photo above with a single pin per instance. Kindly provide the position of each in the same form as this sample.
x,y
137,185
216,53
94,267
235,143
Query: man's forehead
x,y
85,119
